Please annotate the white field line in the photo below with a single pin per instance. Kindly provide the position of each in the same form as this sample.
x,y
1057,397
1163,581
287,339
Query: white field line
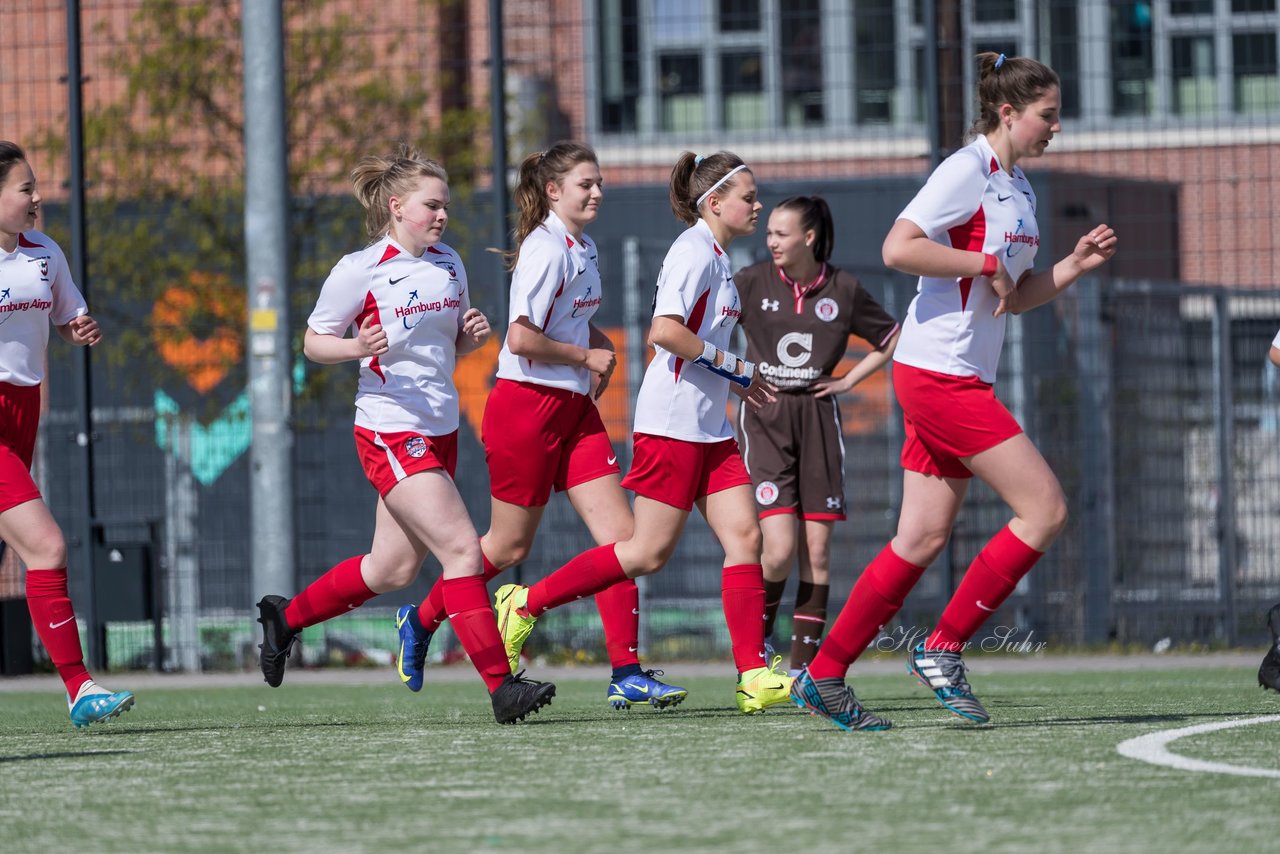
x,y
1154,748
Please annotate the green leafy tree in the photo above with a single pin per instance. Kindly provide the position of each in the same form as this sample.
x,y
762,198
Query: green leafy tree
x,y
164,166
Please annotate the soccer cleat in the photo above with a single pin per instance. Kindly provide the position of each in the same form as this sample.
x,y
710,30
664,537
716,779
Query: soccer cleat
x,y
1269,672
412,655
645,688
513,627
834,700
944,673
762,687
517,697
92,708
277,639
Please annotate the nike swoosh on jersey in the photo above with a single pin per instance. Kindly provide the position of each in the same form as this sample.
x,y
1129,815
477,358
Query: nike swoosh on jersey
x,y
63,623
397,281
612,460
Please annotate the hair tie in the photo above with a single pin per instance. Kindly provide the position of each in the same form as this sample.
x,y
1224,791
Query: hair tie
x,y
999,60
697,159
734,171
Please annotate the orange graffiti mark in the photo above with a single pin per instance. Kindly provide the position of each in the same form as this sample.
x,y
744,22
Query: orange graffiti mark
x,y
866,408
207,300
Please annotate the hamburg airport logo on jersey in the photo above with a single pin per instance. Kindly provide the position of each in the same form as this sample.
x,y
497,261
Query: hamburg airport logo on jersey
x,y
1017,239
415,446
586,302
767,493
827,309
730,313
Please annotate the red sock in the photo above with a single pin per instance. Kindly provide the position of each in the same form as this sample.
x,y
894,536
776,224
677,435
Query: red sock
x,y
55,623
986,584
338,591
587,574
875,598
431,612
742,594
619,607
467,604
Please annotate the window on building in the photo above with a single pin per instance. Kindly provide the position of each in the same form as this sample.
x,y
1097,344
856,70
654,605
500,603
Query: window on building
x,y
1253,71
800,53
758,66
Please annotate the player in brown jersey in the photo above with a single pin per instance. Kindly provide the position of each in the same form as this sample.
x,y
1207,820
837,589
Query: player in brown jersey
x,y
798,312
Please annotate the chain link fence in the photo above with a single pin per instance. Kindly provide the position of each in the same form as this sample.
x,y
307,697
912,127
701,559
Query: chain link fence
x,y
1147,388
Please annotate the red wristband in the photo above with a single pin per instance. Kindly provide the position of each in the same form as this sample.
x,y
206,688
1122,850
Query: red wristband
x,y
988,265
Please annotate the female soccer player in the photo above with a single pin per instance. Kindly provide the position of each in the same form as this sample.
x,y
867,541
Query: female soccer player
x,y
404,297
970,235
541,427
36,290
798,312
685,453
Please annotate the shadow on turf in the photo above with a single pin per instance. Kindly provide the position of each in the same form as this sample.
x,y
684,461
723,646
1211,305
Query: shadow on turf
x,y
30,757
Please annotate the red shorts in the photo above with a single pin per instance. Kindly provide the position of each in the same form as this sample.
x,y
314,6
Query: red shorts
x,y
388,458
678,473
19,422
537,438
947,418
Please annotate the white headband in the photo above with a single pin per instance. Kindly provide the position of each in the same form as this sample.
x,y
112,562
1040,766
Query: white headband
x,y
718,184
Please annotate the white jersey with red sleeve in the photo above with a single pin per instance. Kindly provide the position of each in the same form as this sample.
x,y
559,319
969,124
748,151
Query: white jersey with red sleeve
x,y
678,399
420,302
35,290
556,285
969,202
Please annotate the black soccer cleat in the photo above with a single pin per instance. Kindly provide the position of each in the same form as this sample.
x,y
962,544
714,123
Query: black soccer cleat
x,y
517,697
1269,672
277,639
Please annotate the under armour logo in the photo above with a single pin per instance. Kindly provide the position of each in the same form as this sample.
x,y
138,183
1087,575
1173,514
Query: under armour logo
x,y
769,304
834,503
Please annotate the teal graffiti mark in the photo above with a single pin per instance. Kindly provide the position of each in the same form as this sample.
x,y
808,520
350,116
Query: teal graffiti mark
x,y
213,448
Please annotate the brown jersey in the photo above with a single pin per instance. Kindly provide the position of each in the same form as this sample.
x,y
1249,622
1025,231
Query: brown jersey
x,y
797,339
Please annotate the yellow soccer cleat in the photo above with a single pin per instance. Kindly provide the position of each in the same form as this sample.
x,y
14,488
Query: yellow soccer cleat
x,y
763,687
514,628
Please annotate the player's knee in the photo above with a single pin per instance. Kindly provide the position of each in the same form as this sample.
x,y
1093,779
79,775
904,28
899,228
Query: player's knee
x,y
50,552
1056,517
508,554
385,576
920,547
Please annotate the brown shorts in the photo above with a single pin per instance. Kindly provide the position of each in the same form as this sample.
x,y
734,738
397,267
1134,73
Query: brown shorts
x,y
794,451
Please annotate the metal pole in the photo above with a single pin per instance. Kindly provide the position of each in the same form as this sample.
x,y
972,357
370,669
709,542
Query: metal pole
x,y
266,230
498,117
932,86
634,324
1224,422
1097,495
87,516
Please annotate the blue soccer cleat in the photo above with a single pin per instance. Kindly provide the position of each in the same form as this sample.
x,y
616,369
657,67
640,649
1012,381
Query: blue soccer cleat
x,y
411,658
645,688
834,700
944,672
92,708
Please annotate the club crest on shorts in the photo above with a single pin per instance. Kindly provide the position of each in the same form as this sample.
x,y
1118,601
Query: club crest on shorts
x,y
827,309
415,446
767,493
